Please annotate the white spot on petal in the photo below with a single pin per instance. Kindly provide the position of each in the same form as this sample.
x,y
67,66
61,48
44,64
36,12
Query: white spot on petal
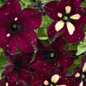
x,y
16,19
84,68
7,45
55,78
70,28
8,35
81,83
7,83
46,82
77,75
68,9
59,25
60,15
6,13
8,3
75,16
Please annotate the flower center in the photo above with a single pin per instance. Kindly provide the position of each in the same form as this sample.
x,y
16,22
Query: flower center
x,y
83,76
52,54
17,65
65,18
15,26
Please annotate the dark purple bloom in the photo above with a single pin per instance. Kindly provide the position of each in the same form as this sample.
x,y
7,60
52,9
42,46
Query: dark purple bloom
x,y
79,74
54,77
52,55
18,69
17,27
68,18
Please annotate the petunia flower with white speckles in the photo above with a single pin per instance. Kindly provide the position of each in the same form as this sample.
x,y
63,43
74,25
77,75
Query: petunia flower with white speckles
x,y
79,74
17,27
68,18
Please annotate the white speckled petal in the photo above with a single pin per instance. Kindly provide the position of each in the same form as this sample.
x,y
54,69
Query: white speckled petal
x,y
70,28
81,83
55,78
68,9
59,25
46,82
75,16
60,15
77,75
84,68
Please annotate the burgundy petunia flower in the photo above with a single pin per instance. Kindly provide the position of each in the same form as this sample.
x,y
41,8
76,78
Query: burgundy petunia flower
x,y
55,77
51,55
79,74
18,69
17,27
68,18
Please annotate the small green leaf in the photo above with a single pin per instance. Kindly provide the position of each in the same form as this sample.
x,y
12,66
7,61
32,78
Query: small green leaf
x,y
83,4
81,48
43,38
76,63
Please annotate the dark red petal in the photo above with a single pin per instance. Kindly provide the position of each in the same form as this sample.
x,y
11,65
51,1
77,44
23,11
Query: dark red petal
x,y
31,36
36,80
12,76
24,75
10,9
70,82
31,18
3,37
23,43
43,68
11,45
66,53
9,57
77,36
14,7
58,44
4,81
41,45
52,9
82,12
73,3
65,61
52,34
8,69
4,22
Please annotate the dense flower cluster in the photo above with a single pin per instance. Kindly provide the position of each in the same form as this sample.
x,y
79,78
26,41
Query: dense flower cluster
x,y
33,62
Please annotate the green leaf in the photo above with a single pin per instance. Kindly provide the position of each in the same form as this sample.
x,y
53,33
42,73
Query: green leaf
x,y
81,48
83,4
25,3
43,38
77,62
42,31
3,62
1,70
